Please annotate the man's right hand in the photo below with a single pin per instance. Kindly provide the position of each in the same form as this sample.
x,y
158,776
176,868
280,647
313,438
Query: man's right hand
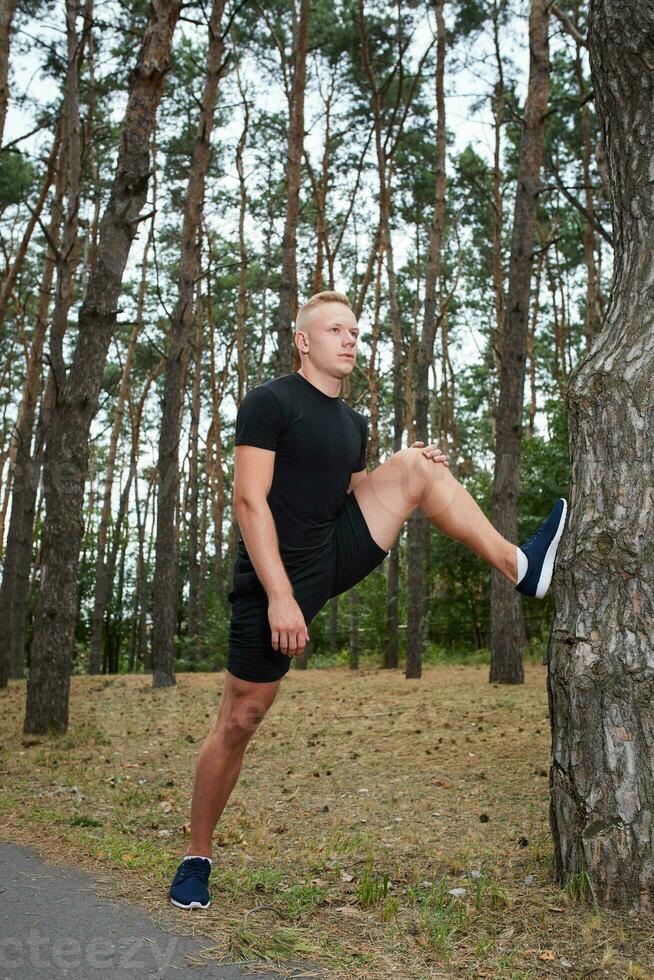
x,y
287,626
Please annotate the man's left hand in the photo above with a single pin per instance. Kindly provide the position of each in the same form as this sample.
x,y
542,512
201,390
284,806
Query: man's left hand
x,y
431,452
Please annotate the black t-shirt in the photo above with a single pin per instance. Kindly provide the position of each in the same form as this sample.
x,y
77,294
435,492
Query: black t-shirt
x,y
319,441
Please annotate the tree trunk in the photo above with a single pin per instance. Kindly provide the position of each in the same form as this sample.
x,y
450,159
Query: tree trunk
x,y
116,544
9,280
593,299
418,527
498,203
14,590
333,625
601,672
193,621
66,455
507,621
241,303
103,584
354,629
7,11
164,618
288,303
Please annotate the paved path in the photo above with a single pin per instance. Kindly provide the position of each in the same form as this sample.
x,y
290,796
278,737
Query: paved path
x,y
53,925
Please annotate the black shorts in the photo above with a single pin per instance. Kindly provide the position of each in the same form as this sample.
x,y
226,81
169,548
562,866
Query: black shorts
x,y
350,555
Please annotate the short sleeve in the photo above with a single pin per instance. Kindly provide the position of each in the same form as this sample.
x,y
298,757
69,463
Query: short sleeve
x,y
259,420
361,465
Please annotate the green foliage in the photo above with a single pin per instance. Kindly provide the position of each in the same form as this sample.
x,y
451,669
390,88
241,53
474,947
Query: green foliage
x,y
17,176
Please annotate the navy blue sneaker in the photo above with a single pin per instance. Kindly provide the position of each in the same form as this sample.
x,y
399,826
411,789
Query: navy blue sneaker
x,y
190,887
540,550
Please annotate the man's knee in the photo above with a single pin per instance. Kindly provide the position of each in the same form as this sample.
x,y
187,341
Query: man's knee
x,y
243,718
417,473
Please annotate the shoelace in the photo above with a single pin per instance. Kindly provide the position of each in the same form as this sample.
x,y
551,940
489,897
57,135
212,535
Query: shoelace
x,y
196,866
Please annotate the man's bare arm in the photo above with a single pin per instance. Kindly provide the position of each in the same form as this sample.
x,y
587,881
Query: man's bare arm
x,y
253,473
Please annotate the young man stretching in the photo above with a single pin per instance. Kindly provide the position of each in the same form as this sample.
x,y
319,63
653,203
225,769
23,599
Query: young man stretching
x,y
300,450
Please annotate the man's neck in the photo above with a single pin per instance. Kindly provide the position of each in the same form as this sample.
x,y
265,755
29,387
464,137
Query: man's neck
x,y
329,386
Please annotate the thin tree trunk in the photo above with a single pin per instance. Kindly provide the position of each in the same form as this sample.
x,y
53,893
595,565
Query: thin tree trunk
x,y
354,629
15,586
116,545
418,527
203,579
66,255
7,11
140,644
9,279
531,342
497,224
601,675
103,584
193,622
66,455
166,573
507,621
241,303
593,305
214,456
288,301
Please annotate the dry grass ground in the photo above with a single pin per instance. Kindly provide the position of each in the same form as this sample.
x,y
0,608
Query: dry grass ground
x,y
364,799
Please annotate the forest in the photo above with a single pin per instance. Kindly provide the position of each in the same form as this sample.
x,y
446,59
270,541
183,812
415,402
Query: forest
x,y
177,179
374,150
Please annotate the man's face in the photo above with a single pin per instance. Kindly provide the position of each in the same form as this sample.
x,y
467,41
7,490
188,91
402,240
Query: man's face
x,y
331,335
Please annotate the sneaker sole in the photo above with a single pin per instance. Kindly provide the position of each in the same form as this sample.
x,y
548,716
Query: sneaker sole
x,y
549,562
193,905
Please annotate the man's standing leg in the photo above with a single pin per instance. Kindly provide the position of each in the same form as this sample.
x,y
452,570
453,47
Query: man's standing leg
x,y
241,711
242,708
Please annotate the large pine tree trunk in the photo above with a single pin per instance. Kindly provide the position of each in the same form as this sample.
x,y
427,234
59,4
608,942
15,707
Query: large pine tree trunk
x,y
66,455
601,666
164,619
507,621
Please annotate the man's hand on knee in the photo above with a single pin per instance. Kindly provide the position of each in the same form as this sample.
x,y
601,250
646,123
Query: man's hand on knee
x,y
431,452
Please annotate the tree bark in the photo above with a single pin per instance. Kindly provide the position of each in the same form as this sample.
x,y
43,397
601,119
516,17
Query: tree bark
x,y
7,11
17,561
288,302
66,455
507,622
194,582
103,584
164,619
593,297
419,528
353,656
601,672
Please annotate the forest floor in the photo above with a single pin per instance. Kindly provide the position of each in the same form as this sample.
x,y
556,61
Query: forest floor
x,y
364,800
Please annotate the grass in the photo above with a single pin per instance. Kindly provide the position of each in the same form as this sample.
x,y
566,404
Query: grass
x,y
364,800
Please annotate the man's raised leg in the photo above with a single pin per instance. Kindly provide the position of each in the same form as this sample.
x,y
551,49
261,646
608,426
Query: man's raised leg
x,y
389,494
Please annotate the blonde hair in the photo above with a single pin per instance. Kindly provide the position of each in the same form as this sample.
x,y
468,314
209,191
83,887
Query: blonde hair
x,y
326,296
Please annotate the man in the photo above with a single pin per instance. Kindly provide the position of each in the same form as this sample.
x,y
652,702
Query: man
x,y
314,523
